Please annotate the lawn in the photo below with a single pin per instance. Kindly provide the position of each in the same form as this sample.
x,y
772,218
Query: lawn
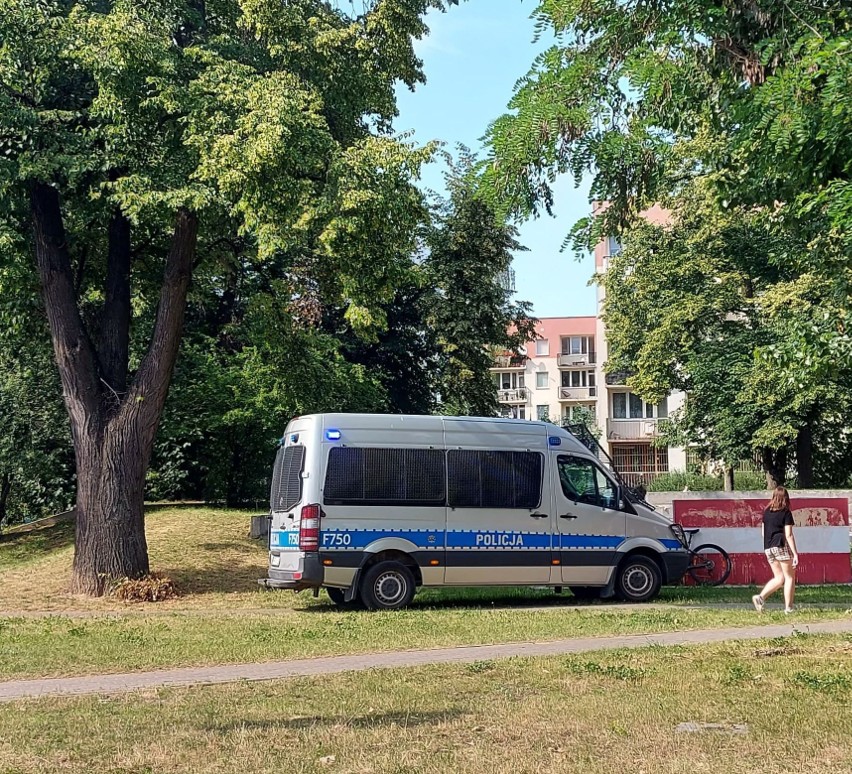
x,y
781,704
223,616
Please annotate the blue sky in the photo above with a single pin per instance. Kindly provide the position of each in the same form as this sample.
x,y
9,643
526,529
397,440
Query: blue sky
x,y
472,58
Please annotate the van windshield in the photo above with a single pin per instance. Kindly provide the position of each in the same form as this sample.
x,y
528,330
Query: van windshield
x,y
286,489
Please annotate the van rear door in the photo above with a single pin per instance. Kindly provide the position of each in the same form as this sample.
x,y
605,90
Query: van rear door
x,y
286,500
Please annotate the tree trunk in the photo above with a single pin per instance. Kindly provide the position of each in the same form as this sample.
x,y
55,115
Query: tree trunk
x,y
774,466
113,431
729,478
5,490
805,456
110,535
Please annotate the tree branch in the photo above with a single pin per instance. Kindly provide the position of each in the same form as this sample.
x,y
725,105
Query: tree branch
x,y
18,95
147,393
115,339
75,355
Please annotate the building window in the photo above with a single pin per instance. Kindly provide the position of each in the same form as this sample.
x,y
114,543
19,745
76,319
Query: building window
x,y
513,412
613,245
542,347
626,405
510,380
542,412
584,411
541,380
640,462
578,378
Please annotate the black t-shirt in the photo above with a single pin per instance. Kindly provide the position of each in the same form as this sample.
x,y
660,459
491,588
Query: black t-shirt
x,y
773,528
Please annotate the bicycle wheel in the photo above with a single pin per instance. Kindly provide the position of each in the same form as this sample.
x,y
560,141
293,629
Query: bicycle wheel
x,y
710,565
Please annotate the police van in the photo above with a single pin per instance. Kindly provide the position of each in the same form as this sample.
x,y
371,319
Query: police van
x,y
371,507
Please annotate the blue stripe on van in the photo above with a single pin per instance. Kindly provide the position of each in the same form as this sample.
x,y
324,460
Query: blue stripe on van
x,y
359,539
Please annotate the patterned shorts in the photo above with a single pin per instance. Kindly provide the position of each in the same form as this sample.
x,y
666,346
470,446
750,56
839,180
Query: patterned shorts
x,y
778,555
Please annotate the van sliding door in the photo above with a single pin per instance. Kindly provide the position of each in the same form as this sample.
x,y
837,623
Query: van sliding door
x,y
498,517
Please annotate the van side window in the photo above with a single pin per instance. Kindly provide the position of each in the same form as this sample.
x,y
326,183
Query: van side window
x,y
494,479
385,477
287,477
584,482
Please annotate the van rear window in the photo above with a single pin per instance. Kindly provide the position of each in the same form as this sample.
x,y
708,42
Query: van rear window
x,y
287,478
494,479
385,477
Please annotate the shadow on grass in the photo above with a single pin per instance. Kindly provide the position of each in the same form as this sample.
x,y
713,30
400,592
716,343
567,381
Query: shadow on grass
x,y
19,548
404,719
225,577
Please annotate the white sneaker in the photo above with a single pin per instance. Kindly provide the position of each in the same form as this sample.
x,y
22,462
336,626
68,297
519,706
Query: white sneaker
x,y
788,610
758,603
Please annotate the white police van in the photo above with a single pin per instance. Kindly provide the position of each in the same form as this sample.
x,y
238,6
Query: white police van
x,y
372,506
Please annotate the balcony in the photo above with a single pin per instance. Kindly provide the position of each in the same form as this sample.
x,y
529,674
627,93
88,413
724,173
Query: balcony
x,y
618,378
565,360
509,363
520,395
631,429
571,394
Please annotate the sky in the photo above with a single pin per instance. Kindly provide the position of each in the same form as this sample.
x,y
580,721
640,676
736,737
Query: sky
x,y
472,58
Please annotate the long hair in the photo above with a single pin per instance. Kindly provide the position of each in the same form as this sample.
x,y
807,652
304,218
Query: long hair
x,y
780,500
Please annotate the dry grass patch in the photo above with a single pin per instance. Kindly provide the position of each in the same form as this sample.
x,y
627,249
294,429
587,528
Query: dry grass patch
x,y
205,551
602,713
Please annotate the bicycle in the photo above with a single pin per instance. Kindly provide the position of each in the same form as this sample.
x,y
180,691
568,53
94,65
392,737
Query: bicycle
x,y
709,564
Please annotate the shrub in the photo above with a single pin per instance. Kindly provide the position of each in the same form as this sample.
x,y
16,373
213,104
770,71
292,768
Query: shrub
x,y
148,588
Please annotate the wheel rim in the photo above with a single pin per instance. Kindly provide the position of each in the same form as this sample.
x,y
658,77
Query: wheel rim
x,y
390,588
708,566
638,580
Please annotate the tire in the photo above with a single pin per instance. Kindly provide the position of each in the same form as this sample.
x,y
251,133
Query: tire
x,y
387,586
710,566
639,579
585,592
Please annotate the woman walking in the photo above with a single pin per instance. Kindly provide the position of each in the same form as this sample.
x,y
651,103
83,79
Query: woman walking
x,y
779,545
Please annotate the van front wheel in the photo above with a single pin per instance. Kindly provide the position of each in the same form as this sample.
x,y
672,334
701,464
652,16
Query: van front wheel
x,y
387,586
639,579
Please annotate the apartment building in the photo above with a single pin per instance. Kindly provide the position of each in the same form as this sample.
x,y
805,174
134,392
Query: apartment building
x,y
560,377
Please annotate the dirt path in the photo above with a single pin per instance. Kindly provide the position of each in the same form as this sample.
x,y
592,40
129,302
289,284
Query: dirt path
x,y
278,670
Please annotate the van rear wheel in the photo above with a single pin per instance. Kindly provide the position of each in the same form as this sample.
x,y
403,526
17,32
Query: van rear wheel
x,y
639,579
387,586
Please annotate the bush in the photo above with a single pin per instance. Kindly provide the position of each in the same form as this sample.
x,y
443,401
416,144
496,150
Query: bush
x,y
148,588
677,481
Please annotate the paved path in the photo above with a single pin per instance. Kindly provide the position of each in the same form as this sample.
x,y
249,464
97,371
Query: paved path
x,y
277,670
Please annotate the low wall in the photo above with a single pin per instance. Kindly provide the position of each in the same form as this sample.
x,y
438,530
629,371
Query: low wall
x,y
734,522
663,500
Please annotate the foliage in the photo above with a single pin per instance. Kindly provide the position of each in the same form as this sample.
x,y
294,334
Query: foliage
x,y
735,117
471,312
144,141
678,481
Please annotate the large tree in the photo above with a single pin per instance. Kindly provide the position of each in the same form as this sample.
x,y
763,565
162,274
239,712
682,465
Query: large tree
x,y
141,141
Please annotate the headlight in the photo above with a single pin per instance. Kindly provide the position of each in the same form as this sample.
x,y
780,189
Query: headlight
x,y
677,531
274,560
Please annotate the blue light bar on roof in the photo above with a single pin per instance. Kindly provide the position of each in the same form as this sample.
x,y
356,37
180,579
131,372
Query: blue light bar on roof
x,y
332,435
554,441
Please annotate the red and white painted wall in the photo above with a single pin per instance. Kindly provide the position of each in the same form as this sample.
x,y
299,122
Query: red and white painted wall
x,y
821,532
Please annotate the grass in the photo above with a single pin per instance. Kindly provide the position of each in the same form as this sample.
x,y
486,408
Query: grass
x,y
67,646
602,713
225,617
